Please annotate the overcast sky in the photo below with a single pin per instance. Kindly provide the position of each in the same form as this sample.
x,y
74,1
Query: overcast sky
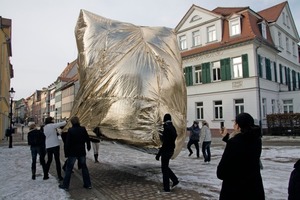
x,y
43,39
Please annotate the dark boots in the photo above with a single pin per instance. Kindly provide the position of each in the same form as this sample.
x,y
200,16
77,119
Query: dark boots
x,y
33,173
96,157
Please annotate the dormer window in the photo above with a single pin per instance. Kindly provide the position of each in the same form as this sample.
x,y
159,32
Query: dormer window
x,y
264,29
235,27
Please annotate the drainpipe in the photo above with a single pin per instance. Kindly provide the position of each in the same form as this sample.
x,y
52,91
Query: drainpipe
x,y
259,92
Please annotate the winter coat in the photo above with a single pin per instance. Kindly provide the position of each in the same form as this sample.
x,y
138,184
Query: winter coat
x,y
77,137
35,138
294,183
205,134
239,167
51,134
194,132
169,136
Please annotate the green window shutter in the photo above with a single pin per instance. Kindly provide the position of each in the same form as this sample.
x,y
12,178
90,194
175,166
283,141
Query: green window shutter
x,y
275,71
280,73
259,65
245,65
298,80
294,79
288,78
206,73
188,73
225,69
268,69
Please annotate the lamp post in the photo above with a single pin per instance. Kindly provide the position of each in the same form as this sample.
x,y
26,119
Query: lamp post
x,y
12,94
55,115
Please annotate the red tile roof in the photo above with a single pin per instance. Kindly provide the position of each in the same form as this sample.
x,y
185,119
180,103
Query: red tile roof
x,y
271,14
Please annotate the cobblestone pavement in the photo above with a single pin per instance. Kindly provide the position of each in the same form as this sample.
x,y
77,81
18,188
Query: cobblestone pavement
x,y
110,183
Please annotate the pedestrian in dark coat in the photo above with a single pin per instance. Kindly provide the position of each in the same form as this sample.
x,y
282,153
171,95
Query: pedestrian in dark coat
x,y
194,138
294,183
166,151
77,137
35,139
239,167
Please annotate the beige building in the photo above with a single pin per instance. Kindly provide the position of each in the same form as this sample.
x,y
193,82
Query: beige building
x,y
6,73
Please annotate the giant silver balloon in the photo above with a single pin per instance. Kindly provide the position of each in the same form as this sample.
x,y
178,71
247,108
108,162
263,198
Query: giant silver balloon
x,y
130,76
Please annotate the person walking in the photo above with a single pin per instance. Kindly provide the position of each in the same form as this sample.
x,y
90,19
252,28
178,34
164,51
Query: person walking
x,y
294,183
239,167
194,138
35,140
77,137
166,151
96,143
52,145
205,141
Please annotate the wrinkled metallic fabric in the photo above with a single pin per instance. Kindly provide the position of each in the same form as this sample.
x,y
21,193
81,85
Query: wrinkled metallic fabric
x,y
130,76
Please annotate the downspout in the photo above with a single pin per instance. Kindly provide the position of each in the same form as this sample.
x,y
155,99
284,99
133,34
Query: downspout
x,y
259,91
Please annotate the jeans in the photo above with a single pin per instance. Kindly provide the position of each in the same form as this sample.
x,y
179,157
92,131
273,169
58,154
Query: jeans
x,y
193,142
69,168
206,151
50,152
166,171
34,152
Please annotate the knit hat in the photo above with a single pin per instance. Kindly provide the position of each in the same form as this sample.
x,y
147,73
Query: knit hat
x,y
244,120
167,117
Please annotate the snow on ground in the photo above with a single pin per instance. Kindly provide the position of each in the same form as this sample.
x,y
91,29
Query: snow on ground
x,y
16,183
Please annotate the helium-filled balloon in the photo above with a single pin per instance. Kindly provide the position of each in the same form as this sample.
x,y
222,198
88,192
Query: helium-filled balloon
x,y
130,76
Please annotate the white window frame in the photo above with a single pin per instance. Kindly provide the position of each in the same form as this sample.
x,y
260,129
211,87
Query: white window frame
x,y
287,41
235,26
264,29
196,38
273,104
239,106
218,110
198,74
237,67
199,111
183,42
216,71
288,106
280,39
211,33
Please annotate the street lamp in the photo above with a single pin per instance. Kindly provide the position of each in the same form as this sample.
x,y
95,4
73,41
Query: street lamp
x,y
55,115
12,94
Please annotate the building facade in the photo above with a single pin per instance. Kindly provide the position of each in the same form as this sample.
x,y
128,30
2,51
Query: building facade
x,y
238,60
6,73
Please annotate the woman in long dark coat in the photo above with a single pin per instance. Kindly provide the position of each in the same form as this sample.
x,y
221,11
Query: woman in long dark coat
x,y
239,167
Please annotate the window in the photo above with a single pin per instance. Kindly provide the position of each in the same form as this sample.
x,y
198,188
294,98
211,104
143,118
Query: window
x,y
216,67
287,44
264,107
198,74
237,67
279,39
294,48
183,43
218,110
283,17
199,110
196,38
196,18
235,27
288,106
264,30
273,106
239,106
211,33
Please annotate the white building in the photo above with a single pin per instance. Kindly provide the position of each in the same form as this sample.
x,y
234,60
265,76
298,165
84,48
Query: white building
x,y
238,60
